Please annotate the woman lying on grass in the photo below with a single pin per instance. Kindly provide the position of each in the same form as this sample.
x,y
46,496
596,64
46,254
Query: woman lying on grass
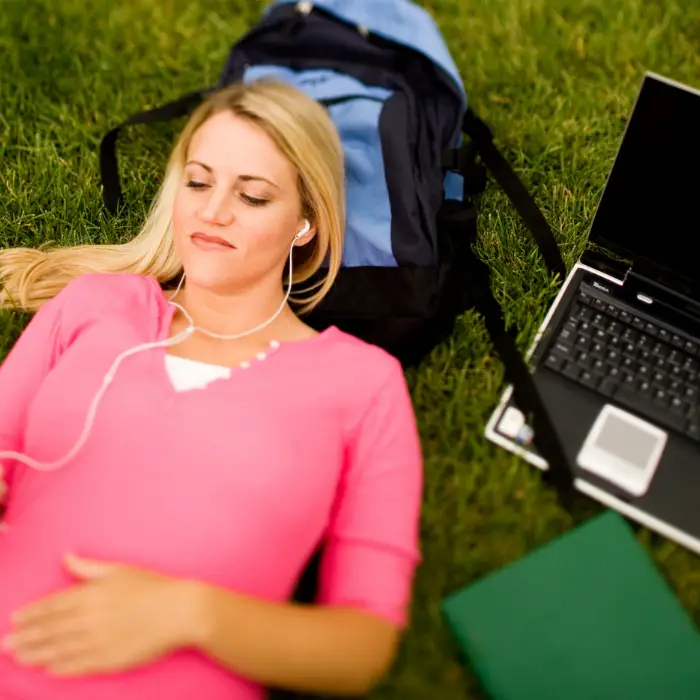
x,y
173,457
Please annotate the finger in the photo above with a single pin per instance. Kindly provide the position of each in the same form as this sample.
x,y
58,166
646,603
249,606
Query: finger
x,y
55,605
38,635
56,650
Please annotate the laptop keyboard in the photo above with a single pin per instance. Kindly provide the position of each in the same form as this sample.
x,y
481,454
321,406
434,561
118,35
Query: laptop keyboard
x,y
640,365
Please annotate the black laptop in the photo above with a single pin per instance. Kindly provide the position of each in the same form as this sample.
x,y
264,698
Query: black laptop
x,y
617,360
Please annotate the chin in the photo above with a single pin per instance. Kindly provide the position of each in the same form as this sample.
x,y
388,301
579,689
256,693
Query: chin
x,y
210,277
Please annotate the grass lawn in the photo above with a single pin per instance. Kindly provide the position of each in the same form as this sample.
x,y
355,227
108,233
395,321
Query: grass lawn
x,y
555,80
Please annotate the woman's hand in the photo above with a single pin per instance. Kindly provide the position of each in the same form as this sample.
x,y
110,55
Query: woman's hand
x,y
118,617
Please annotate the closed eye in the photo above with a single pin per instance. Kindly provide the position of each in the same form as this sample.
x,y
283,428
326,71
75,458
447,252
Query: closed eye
x,y
253,201
196,185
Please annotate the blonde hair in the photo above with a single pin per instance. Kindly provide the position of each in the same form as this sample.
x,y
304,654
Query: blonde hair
x,y
301,129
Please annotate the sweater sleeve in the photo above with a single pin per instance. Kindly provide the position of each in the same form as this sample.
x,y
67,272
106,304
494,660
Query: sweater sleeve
x,y
372,549
22,372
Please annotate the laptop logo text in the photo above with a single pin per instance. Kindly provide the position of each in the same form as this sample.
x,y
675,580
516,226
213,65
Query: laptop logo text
x,y
597,285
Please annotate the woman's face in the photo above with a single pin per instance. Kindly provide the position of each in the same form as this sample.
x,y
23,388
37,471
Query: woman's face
x,y
238,207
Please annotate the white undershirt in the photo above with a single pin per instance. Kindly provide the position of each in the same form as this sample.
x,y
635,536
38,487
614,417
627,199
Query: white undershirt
x,y
188,374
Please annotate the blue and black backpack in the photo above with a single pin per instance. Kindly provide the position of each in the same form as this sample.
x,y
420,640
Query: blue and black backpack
x,y
416,160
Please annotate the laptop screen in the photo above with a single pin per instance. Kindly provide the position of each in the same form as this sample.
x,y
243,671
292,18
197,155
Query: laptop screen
x,y
650,208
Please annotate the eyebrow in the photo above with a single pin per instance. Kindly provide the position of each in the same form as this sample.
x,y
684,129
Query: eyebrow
x,y
244,178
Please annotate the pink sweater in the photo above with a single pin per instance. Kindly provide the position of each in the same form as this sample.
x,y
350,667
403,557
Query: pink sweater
x,y
234,484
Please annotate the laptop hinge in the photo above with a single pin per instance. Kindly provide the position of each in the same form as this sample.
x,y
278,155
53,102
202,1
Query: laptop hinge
x,y
619,269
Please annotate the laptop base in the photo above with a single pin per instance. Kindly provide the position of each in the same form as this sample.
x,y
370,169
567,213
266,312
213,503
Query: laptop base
x,y
663,496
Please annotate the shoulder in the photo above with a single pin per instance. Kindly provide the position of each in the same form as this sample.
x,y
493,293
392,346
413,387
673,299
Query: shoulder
x,y
362,361
365,377
109,293
382,429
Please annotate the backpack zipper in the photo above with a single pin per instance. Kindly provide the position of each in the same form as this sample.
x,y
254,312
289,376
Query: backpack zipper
x,y
347,98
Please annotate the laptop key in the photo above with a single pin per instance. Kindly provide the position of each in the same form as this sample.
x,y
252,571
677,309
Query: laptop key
x,y
571,370
676,373
662,398
645,342
583,343
693,431
598,350
599,321
599,366
660,350
629,365
613,357
608,387
675,357
679,406
677,341
676,388
659,379
589,379
691,365
563,349
629,380
645,390
554,362
614,329
614,373
584,360
566,335
646,357
647,408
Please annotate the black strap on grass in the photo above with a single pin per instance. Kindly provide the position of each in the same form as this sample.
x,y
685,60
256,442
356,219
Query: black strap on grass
x,y
482,139
109,170
526,395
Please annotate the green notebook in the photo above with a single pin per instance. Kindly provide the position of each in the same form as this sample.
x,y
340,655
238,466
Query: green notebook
x,y
585,617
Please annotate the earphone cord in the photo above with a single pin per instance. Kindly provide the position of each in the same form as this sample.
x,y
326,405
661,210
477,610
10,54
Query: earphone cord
x,y
179,338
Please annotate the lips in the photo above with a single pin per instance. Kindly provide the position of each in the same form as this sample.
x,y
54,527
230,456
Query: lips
x,y
206,242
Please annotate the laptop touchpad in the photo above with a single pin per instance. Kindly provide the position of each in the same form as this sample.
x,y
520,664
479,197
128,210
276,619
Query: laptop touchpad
x,y
623,449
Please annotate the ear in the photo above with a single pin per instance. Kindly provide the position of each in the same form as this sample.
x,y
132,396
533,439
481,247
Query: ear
x,y
309,235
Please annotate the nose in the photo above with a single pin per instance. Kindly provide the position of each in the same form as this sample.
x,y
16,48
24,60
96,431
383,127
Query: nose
x,y
217,209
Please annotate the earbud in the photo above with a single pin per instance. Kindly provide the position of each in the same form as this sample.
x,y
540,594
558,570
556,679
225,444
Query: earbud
x,y
303,231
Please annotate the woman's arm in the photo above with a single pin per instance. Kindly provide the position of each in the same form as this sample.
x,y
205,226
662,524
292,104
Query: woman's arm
x,y
336,651
21,374
345,644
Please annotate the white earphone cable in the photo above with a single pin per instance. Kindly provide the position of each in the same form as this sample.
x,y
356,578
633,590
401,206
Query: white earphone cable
x,y
109,377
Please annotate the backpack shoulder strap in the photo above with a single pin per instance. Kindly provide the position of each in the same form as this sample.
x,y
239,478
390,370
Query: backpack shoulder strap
x,y
521,199
517,373
109,170
526,395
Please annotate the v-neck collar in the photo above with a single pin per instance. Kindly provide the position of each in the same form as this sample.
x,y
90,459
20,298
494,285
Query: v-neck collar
x,y
167,314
